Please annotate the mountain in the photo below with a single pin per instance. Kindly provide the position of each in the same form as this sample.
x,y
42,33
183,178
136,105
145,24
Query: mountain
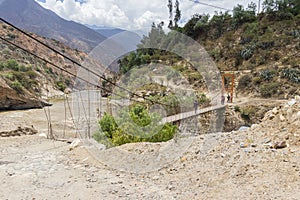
x,y
27,81
106,31
30,16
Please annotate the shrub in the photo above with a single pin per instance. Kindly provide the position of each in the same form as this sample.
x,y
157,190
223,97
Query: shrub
x,y
12,64
266,44
291,74
237,109
267,75
245,81
246,113
125,131
295,33
17,86
269,89
247,53
60,85
108,125
1,66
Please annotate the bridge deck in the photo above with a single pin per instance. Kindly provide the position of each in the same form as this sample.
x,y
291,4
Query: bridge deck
x,y
185,115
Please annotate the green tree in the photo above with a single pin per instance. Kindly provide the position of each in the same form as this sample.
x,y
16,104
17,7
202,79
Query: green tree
x,y
240,15
108,125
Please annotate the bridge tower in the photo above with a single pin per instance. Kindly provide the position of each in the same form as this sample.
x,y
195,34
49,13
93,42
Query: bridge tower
x,y
228,84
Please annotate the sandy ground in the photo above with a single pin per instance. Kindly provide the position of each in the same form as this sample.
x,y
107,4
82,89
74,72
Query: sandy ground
x,y
235,165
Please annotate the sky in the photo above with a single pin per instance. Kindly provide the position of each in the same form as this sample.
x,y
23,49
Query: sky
x,y
132,15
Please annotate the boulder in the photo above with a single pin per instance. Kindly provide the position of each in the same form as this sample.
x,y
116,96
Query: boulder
x,y
11,100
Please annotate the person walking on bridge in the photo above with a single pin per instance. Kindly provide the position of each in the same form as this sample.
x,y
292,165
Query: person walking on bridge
x,y
196,105
222,99
228,99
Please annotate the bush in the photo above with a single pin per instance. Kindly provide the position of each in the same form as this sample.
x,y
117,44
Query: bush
x,y
291,74
17,86
247,53
12,64
108,125
245,81
237,109
60,85
246,113
127,132
267,75
269,89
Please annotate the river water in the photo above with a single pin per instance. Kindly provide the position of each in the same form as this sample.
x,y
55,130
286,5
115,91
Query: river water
x,y
77,113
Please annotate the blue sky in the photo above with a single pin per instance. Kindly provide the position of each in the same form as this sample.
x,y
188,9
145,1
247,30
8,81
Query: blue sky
x,y
131,14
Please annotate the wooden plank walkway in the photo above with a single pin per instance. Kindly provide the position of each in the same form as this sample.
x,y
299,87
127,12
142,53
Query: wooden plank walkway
x,y
186,115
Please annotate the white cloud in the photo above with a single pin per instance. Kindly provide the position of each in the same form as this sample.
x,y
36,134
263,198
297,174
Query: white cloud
x,y
130,14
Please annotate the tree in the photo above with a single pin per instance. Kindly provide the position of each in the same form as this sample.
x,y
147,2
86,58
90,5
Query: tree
x,y
170,6
240,15
269,6
177,14
173,23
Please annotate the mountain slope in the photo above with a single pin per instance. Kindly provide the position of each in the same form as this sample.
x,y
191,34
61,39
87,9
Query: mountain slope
x,y
106,31
25,80
29,15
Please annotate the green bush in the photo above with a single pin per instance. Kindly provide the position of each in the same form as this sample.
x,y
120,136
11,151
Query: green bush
x,y
108,125
267,74
269,89
17,86
127,132
60,85
247,53
291,74
12,64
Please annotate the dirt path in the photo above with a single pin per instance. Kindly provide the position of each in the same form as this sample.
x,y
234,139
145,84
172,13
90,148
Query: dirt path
x,y
34,168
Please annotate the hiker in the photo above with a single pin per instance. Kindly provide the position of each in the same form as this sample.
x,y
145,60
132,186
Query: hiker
x,y
222,99
228,99
196,105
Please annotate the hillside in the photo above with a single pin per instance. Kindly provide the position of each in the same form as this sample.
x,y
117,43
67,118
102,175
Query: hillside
x,y
262,51
25,79
267,50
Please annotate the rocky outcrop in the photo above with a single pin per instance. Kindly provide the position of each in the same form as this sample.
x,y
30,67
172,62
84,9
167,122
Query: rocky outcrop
x,y
10,100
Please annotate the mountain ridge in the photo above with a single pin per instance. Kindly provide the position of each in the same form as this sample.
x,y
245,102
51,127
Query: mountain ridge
x,y
31,16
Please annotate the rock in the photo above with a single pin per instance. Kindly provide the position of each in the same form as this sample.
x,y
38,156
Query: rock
x,y
243,145
183,159
170,187
253,145
280,145
292,102
43,135
243,128
155,178
282,118
268,145
268,140
254,126
74,144
275,111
